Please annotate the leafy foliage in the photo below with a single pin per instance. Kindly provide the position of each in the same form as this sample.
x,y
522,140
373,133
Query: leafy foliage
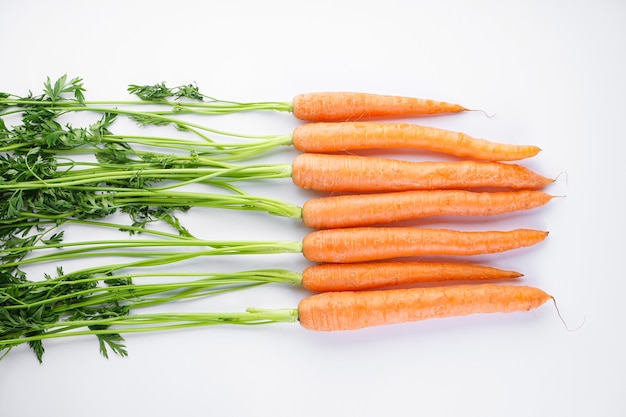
x,y
42,186
160,91
30,308
110,340
55,91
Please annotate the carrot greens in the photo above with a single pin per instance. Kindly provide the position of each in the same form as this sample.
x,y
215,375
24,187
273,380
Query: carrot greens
x,y
40,116
53,173
47,178
99,299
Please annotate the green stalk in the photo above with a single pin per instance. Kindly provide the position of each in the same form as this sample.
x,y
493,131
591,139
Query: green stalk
x,y
142,117
50,226
214,107
217,151
128,228
236,202
142,323
122,248
234,173
143,295
162,197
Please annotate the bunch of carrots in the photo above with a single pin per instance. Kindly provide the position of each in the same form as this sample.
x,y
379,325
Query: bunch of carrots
x,y
359,248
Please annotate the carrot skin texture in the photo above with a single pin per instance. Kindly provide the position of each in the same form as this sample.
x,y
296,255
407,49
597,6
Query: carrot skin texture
x,y
370,209
344,106
371,275
361,244
352,173
351,310
352,136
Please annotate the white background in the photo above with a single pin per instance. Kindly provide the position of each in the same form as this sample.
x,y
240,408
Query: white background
x,y
552,72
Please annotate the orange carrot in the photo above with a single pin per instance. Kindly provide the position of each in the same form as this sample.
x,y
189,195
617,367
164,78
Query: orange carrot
x,y
343,106
369,209
366,174
352,310
361,244
369,275
351,136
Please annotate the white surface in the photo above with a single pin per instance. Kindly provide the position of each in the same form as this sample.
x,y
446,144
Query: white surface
x,y
552,72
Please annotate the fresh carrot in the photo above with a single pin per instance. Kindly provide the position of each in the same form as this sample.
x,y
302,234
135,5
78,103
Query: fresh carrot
x,y
369,275
352,310
351,136
349,245
352,173
369,209
361,244
331,311
337,173
343,106
68,94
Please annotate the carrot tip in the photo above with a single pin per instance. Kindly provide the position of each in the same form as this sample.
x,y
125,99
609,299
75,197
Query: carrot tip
x,y
563,174
558,312
481,111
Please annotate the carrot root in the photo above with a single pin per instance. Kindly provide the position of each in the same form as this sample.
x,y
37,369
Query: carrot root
x,y
370,209
361,244
352,136
371,275
344,106
352,310
352,173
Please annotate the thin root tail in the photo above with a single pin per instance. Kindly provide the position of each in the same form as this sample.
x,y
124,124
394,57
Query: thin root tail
x,y
567,327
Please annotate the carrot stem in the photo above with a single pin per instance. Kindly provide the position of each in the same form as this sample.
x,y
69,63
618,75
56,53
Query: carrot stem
x,y
144,323
129,248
